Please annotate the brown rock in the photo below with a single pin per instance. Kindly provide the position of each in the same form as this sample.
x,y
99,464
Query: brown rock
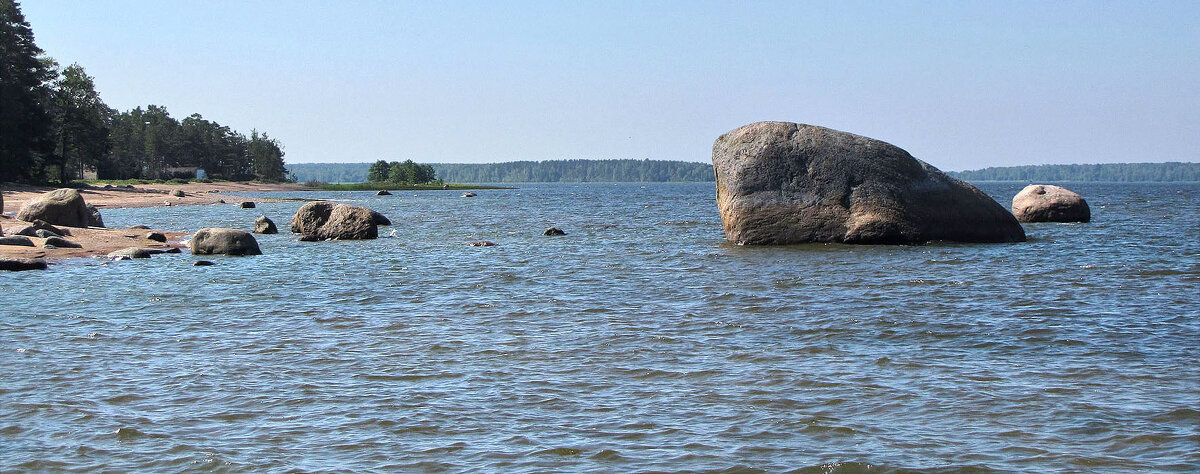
x,y
321,220
1049,203
223,242
264,225
21,264
786,183
63,207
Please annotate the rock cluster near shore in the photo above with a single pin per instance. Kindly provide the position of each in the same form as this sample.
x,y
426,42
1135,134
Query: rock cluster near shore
x,y
63,207
786,183
1049,203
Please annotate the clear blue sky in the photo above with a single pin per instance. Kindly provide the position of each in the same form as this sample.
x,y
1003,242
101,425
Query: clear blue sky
x,y
959,84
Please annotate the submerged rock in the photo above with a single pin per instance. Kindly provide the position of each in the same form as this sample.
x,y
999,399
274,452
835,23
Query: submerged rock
x,y
130,252
468,194
1049,203
786,183
483,243
247,205
264,225
383,192
554,231
215,241
63,207
202,263
322,220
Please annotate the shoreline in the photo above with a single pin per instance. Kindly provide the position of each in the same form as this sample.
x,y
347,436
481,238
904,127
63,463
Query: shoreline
x,y
100,241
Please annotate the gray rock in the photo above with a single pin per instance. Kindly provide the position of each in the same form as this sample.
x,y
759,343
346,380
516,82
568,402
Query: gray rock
x,y
16,240
178,193
247,204
786,183
21,264
1049,203
129,253
156,236
94,218
223,242
63,207
323,220
554,231
37,228
264,225
61,243
43,233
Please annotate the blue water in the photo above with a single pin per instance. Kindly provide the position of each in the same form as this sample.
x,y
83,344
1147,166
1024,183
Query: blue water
x,y
639,341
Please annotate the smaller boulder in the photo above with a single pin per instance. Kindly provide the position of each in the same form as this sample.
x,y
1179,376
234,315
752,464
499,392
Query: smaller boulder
x,y
223,242
247,204
554,231
21,264
44,234
61,243
178,193
156,236
1049,203
94,219
139,226
39,225
383,192
468,194
16,240
202,263
483,243
264,225
129,253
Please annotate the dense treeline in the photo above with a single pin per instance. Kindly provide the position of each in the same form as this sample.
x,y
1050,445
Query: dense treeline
x,y
574,171
55,127
1107,172
571,171
400,173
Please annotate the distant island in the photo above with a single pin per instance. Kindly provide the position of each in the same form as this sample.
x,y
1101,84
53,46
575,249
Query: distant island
x,y
580,171
1107,172
550,171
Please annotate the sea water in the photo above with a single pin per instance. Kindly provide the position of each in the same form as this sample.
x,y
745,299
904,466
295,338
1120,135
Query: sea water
x,y
640,340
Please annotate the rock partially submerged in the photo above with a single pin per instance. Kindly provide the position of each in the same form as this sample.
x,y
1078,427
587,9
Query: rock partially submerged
x,y
264,225
786,183
1050,203
553,231
383,192
94,218
322,220
130,252
247,205
21,264
215,241
63,207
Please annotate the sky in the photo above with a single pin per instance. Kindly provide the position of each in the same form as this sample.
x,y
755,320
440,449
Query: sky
x,y
959,84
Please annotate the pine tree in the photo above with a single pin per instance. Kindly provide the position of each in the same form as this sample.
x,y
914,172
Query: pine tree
x,y
25,124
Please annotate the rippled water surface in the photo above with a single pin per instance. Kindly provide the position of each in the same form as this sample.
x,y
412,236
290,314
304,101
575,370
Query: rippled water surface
x,y
639,341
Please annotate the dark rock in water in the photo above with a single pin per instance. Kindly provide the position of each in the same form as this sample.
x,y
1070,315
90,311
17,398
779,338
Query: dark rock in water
x,y
202,263
786,183
468,195
43,233
554,231
177,193
383,192
1049,203
94,218
323,220
156,236
21,264
130,253
172,250
63,207
223,242
17,241
139,226
380,219
220,201
308,238
482,243
247,204
264,225
61,243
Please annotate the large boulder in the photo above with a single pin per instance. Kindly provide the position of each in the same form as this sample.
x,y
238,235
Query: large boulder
x,y
63,207
223,242
321,220
786,183
12,264
1049,203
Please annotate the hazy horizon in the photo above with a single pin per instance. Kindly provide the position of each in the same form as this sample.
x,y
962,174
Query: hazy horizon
x,y
959,85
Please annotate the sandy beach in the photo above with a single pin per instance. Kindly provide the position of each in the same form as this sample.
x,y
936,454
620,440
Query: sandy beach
x,y
102,241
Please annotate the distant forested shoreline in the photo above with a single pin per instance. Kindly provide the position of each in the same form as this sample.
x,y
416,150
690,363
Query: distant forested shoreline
x,y
550,171
1106,172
